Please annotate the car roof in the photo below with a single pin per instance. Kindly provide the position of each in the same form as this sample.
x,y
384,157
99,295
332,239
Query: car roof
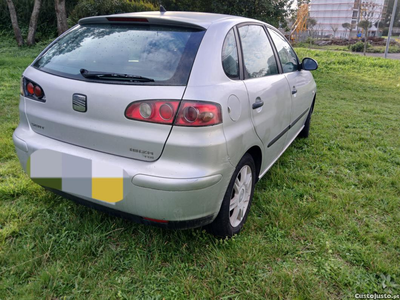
x,y
192,19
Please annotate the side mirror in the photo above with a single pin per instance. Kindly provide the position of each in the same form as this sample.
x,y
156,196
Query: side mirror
x,y
309,64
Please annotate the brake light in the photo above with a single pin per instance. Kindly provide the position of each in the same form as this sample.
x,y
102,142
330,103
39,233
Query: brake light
x,y
32,90
191,113
199,113
123,19
155,111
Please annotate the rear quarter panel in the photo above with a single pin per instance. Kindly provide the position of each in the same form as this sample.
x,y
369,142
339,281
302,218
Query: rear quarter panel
x,y
209,82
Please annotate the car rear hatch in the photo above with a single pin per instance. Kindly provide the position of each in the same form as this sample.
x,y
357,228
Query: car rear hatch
x,y
140,60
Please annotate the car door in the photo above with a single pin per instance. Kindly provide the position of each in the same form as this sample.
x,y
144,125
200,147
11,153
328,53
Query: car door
x,y
268,91
300,83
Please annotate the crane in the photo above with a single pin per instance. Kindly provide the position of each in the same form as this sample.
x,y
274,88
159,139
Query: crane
x,y
300,25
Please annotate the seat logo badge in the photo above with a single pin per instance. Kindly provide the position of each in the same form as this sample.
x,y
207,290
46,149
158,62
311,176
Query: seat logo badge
x,y
79,102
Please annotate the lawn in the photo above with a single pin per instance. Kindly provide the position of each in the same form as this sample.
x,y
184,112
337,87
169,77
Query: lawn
x,y
370,49
324,224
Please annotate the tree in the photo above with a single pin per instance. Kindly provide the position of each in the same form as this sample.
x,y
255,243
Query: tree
x,y
61,14
347,26
14,22
371,12
33,23
318,30
273,12
334,29
87,8
352,26
365,25
311,22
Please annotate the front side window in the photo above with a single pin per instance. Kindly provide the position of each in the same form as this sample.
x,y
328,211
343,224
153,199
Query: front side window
x,y
259,59
285,52
163,54
230,60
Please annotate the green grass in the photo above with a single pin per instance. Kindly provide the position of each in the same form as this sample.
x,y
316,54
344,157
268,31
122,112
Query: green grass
x,y
324,224
381,49
370,49
326,47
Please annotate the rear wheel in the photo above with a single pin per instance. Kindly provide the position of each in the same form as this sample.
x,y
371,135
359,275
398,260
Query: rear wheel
x,y
237,200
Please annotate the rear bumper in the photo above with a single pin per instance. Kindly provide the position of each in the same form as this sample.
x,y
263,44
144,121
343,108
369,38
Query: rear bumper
x,y
177,193
138,219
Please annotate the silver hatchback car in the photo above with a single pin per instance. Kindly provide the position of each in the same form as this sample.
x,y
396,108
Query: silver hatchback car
x,y
167,118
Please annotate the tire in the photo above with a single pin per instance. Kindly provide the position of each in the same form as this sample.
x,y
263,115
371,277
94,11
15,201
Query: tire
x,y
305,133
230,219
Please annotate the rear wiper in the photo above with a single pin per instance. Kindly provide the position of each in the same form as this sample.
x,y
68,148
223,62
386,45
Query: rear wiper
x,y
104,75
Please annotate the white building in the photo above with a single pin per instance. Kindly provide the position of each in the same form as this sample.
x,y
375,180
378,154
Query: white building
x,y
331,14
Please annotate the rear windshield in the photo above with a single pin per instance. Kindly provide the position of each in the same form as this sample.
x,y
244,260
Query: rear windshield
x,y
163,54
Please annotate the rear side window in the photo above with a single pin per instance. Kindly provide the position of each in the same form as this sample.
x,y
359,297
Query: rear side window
x,y
164,54
230,60
285,52
259,59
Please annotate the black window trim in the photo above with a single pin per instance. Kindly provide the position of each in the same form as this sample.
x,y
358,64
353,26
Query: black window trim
x,y
277,58
240,52
268,27
241,62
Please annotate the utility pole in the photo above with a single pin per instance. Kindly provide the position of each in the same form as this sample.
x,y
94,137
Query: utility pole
x,y
390,27
359,14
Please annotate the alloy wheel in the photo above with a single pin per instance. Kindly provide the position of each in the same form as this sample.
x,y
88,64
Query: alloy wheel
x,y
240,198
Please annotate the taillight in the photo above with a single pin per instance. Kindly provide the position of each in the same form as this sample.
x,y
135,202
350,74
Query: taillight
x,y
38,91
191,113
32,90
199,113
167,112
155,111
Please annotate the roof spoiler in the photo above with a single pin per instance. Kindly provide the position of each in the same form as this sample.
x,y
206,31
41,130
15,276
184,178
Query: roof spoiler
x,y
139,19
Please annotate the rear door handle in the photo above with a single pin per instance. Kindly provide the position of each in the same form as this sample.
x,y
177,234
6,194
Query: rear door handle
x,y
258,104
294,91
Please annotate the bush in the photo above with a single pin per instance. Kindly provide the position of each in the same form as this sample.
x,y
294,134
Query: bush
x,y
310,40
392,49
301,45
358,47
88,8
